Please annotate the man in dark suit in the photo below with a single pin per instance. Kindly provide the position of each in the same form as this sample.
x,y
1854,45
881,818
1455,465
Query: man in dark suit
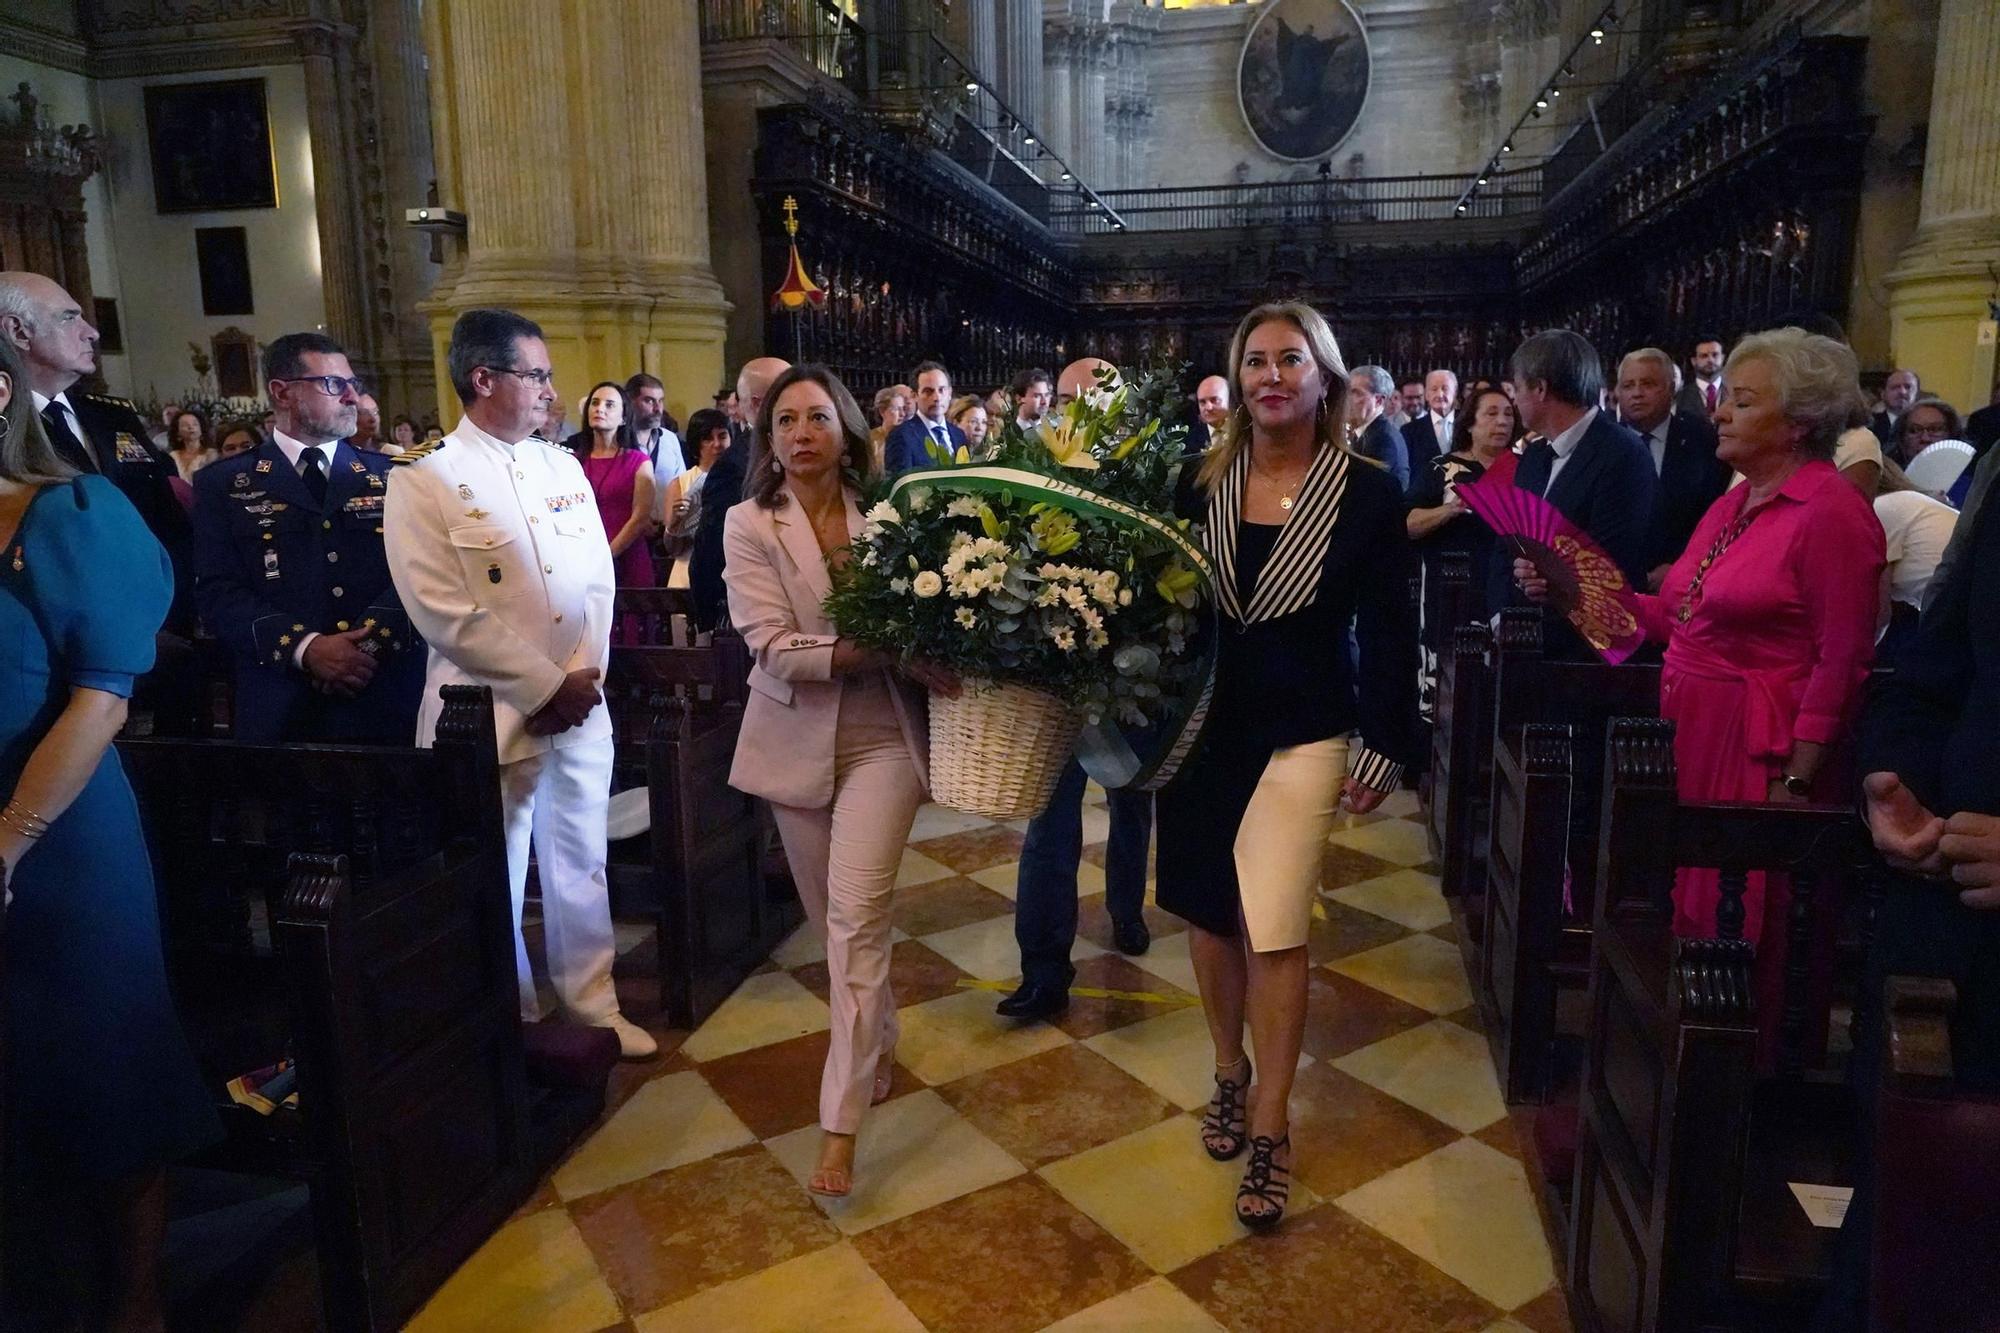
x,y
1682,447
1370,390
1982,428
1428,434
723,487
910,444
290,571
1700,395
1594,471
1898,392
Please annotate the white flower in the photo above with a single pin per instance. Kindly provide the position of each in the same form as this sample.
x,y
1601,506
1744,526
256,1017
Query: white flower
x,y
967,617
1124,597
1097,638
920,499
883,512
965,506
927,584
1065,638
1099,398
899,586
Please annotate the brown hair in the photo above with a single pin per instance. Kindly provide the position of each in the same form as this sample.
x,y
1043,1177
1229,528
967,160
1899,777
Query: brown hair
x,y
1462,420
766,484
26,456
1235,432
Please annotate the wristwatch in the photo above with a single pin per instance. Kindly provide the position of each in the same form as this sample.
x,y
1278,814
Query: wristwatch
x,y
1796,785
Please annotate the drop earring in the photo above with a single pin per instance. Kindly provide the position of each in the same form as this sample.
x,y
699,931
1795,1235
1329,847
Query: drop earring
x,y
777,466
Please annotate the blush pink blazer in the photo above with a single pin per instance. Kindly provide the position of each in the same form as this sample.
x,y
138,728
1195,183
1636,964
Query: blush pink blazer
x,y
777,580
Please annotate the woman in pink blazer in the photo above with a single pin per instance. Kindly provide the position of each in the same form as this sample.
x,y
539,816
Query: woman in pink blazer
x,y
831,737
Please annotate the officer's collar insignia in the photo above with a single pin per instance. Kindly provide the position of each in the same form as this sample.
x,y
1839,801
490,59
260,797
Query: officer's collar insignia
x,y
242,480
263,465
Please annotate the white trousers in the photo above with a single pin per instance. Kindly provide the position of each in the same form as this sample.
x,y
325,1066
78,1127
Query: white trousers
x,y
559,802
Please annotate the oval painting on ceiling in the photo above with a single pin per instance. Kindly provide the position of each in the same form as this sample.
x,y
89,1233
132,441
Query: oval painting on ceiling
x,y
1303,77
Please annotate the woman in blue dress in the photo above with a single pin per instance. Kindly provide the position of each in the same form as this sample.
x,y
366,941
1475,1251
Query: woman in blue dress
x,y
101,1089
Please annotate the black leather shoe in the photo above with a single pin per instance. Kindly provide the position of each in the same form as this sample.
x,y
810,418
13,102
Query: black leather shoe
x,y
1131,937
1035,999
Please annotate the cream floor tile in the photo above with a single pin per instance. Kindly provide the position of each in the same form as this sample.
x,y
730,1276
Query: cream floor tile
x,y
1408,897
1467,1209
998,878
1400,802
1419,969
535,1274
917,868
1439,1068
1173,1054
765,1008
1165,1227
828,1291
1396,840
669,1122
1506,1326
987,950
1157,1306
1168,959
937,821
948,1038
806,945
913,1152
1096,823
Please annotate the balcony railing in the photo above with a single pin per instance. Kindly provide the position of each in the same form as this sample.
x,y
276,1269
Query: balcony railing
x,y
1302,203
820,31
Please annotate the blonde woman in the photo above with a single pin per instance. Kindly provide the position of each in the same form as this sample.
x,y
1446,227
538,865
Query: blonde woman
x,y
1309,545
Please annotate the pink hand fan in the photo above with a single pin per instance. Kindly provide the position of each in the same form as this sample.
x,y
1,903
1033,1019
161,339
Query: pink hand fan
x,y
1584,582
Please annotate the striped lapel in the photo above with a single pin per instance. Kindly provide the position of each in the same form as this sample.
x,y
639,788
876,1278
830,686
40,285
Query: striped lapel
x,y
1289,581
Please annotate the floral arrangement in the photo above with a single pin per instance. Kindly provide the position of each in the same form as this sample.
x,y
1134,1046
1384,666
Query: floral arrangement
x,y
1052,562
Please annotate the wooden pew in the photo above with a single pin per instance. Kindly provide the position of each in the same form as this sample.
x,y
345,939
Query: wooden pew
x,y
1461,750
1935,1229
700,868
1548,744
348,907
1681,1216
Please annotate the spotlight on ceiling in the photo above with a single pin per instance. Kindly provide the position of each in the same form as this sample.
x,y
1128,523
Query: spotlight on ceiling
x,y
1597,36
1541,104
1460,210
1066,176
1507,147
1482,180
1029,141
972,85
1091,204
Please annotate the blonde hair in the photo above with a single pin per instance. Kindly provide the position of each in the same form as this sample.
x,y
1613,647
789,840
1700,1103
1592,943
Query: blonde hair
x,y
1332,420
1817,378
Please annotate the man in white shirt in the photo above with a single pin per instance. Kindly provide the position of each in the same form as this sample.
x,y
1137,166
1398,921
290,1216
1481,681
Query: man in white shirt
x,y
504,567
1702,394
1682,447
1429,434
1034,389
646,409
909,445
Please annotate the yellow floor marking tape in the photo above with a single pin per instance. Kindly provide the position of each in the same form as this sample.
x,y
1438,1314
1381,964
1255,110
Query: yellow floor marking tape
x,y
1088,992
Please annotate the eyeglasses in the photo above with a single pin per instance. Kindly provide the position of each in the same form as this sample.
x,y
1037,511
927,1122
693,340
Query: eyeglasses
x,y
331,385
541,379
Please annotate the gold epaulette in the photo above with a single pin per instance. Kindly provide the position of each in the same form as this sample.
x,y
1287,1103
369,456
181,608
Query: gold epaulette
x,y
417,453
125,403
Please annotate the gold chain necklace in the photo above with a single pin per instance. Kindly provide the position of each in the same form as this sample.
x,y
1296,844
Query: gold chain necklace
x,y
1284,491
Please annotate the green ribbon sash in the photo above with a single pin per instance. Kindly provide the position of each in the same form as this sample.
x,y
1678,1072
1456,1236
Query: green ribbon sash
x,y
1113,754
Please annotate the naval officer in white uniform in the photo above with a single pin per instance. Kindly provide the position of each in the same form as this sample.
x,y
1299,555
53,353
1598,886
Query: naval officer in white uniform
x,y
502,563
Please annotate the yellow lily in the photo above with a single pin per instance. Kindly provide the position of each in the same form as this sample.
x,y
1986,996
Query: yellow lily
x,y
1068,440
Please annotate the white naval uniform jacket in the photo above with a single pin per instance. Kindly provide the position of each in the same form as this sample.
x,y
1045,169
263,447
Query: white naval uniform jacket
x,y
501,560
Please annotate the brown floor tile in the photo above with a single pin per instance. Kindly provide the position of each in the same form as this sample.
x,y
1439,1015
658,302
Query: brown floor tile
x,y
973,850
916,974
1468,1018
944,904
1345,1133
1013,1256
1508,1133
1447,932
1348,930
1093,921
1326,1270
1341,866
1343,1015
1089,1015
1055,1104
1547,1313
775,1089
670,1235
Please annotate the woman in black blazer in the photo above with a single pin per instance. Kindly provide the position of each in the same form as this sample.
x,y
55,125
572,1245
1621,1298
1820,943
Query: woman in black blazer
x,y
1309,543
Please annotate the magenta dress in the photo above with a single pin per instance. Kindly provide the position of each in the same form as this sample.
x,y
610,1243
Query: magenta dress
x,y
612,481
1776,648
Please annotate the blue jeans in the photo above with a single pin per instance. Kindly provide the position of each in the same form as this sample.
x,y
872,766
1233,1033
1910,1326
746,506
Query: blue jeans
x,y
1045,891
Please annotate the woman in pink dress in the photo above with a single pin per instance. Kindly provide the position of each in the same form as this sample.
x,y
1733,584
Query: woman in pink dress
x,y
620,480
1769,615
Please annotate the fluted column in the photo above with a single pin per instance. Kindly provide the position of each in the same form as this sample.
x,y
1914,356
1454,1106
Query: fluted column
x,y
571,138
1058,109
1018,30
1940,287
1091,110
334,203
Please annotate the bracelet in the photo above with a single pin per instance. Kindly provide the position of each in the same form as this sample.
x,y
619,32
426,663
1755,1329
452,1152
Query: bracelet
x,y
23,820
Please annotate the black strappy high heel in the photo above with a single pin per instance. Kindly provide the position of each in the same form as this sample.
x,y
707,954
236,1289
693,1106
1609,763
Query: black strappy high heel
x,y
1265,1181
1225,1127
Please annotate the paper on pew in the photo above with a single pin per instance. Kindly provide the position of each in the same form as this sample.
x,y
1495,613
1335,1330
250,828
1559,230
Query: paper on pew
x,y
1825,1205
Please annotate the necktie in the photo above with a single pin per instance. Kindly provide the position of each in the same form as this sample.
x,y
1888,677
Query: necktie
x,y
72,450
313,473
1708,392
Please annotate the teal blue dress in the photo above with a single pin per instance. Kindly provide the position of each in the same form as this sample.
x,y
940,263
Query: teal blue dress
x,y
101,1082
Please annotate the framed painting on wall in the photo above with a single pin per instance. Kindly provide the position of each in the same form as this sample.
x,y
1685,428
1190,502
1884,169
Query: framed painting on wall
x,y
223,256
210,146
1303,76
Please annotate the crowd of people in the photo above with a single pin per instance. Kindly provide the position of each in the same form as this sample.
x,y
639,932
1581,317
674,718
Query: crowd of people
x,y
1757,504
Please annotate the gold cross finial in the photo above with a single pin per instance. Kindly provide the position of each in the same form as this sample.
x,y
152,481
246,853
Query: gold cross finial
x,y
791,216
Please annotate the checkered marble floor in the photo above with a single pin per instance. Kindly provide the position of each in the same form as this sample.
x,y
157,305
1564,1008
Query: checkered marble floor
x,y
1049,1176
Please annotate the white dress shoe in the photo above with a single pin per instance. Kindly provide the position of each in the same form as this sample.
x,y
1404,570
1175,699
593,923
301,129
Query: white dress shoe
x,y
634,1042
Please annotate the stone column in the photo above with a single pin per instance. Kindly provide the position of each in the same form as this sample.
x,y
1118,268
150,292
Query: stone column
x,y
1092,111
1018,29
404,271
586,212
334,181
1058,110
1940,287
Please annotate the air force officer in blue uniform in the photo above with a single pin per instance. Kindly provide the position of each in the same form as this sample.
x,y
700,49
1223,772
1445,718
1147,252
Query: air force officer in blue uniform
x,y
290,571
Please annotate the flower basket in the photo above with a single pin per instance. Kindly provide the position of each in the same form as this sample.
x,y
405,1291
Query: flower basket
x,y
997,749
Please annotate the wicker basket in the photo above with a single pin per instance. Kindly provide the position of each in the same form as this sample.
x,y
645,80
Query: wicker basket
x,y
997,750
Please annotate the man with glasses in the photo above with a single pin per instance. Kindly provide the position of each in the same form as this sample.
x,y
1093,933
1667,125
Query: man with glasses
x,y
290,569
497,549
